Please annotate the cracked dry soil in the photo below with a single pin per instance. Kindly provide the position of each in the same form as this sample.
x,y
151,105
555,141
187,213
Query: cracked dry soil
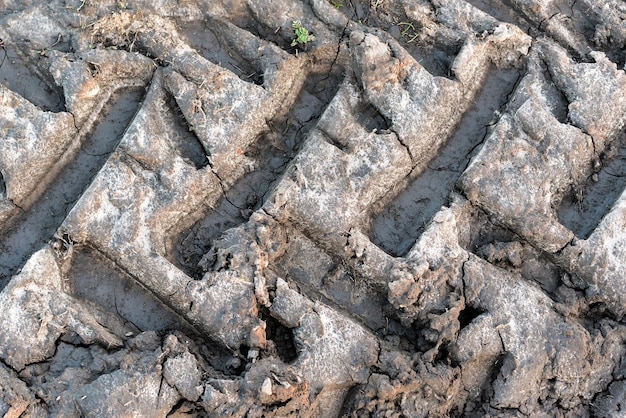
x,y
418,213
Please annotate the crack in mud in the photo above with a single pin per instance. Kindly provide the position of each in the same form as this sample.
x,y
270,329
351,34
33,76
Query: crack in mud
x,y
418,203
582,209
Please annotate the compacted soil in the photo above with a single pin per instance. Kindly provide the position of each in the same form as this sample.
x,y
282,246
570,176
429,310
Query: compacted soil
x,y
313,208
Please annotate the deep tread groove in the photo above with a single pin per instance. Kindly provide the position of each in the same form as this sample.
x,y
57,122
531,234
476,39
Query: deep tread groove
x,y
16,75
399,225
583,208
37,225
3,187
272,152
186,142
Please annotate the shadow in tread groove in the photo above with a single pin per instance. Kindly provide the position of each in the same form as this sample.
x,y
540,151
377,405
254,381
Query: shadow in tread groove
x,y
585,206
502,11
3,187
399,225
271,152
185,141
372,120
97,279
37,225
16,76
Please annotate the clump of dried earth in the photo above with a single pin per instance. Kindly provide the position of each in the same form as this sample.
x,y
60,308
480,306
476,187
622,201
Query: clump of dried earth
x,y
419,212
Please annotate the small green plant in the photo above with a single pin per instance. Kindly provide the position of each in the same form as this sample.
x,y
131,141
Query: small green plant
x,y
409,31
337,4
303,37
44,51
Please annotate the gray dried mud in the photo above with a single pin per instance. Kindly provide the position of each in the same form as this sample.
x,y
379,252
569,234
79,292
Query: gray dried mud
x,y
94,278
403,220
36,226
271,153
419,211
16,75
583,208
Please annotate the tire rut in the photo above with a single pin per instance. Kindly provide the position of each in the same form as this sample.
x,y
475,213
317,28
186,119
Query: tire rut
x,y
37,225
312,208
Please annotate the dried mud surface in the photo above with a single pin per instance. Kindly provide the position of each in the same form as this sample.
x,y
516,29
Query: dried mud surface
x,y
419,211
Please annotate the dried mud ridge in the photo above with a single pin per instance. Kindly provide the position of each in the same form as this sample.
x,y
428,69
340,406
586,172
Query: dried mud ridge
x,y
419,212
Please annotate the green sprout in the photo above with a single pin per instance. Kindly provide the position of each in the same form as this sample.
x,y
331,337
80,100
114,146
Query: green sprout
x,y
303,37
44,51
409,31
337,4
